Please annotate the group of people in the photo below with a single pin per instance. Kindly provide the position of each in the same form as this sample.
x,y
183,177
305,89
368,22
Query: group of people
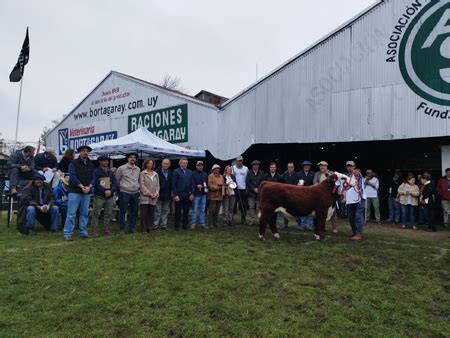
x,y
198,196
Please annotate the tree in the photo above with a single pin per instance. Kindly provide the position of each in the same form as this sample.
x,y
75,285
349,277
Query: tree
x,y
172,83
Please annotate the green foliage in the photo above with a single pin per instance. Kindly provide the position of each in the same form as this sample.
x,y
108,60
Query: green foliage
x,y
222,282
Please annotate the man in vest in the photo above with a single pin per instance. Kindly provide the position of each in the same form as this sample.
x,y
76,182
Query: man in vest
x,y
81,173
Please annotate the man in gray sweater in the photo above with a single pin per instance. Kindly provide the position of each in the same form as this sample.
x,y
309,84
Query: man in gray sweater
x,y
127,179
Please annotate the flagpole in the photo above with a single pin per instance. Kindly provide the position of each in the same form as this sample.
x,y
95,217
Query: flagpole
x,y
18,114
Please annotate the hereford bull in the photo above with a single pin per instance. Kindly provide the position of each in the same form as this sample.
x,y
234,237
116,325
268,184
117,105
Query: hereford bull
x,y
298,201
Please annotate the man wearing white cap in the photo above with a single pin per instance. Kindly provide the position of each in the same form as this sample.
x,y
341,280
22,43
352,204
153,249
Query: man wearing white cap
x,y
319,177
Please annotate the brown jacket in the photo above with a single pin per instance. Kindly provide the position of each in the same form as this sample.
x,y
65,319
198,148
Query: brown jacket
x,y
148,185
215,184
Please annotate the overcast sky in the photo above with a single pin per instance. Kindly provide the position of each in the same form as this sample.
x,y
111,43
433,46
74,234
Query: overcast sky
x,y
211,45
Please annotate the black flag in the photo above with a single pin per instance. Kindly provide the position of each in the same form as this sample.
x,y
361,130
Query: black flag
x,y
19,68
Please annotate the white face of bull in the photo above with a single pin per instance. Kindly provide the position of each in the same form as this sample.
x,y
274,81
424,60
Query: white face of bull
x,y
345,178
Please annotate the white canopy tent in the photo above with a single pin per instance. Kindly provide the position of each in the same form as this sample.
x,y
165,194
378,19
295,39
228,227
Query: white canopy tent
x,y
143,142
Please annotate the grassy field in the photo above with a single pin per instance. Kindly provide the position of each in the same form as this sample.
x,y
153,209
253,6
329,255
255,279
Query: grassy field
x,y
224,282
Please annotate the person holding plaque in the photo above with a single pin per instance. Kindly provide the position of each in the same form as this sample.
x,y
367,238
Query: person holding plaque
x,y
104,189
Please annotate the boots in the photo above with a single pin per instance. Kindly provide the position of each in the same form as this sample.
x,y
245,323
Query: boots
x,y
94,232
108,231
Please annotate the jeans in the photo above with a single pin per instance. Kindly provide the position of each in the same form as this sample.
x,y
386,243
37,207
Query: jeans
x,y
376,206
182,212
161,213
75,202
355,212
200,204
408,210
394,209
32,212
107,204
301,222
126,200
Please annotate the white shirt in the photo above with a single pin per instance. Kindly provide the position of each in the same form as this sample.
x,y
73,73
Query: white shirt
x,y
241,175
369,191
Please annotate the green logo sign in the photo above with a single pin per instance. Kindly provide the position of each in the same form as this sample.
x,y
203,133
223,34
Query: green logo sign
x,y
425,53
170,124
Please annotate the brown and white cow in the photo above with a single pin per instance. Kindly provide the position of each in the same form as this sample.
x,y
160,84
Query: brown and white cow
x,y
298,201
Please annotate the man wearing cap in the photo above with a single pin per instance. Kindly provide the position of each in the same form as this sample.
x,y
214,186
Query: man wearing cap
x,y
201,183
81,173
20,165
240,172
61,193
254,179
215,194
319,177
39,201
306,178
165,195
127,180
355,202
183,192
104,189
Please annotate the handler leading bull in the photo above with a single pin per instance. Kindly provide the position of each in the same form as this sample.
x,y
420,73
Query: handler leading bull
x,y
298,201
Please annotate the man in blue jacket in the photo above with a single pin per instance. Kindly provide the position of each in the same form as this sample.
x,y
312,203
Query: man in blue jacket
x,y
104,189
182,188
61,193
81,173
200,184
306,178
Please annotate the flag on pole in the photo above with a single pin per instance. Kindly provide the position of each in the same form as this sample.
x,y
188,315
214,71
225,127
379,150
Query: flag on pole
x,y
19,68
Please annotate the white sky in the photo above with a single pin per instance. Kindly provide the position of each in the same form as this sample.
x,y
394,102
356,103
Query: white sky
x,y
211,45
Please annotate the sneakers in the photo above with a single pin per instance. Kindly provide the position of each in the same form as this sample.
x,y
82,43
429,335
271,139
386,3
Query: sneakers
x,y
68,238
276,236
414,227
193,226
204,226
261,238
356,237
403,226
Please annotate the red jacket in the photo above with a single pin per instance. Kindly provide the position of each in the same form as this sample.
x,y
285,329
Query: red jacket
x,y
442,188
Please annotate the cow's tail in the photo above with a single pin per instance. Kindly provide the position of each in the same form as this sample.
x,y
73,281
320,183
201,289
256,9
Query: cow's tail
x,y
261,188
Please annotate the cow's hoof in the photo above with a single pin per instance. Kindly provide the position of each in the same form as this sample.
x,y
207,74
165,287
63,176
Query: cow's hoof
x,y
261,238
277,235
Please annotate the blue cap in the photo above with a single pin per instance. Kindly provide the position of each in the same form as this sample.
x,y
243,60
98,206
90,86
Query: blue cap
x,y
38,176
103,158
306,163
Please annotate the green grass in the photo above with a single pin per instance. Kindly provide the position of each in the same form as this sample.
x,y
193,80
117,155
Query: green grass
x,y
224,282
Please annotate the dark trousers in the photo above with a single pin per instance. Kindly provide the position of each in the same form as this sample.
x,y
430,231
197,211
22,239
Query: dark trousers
x,y
16,173
430,216
147,217
241,202
182,212
132,201
63,211
214,208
